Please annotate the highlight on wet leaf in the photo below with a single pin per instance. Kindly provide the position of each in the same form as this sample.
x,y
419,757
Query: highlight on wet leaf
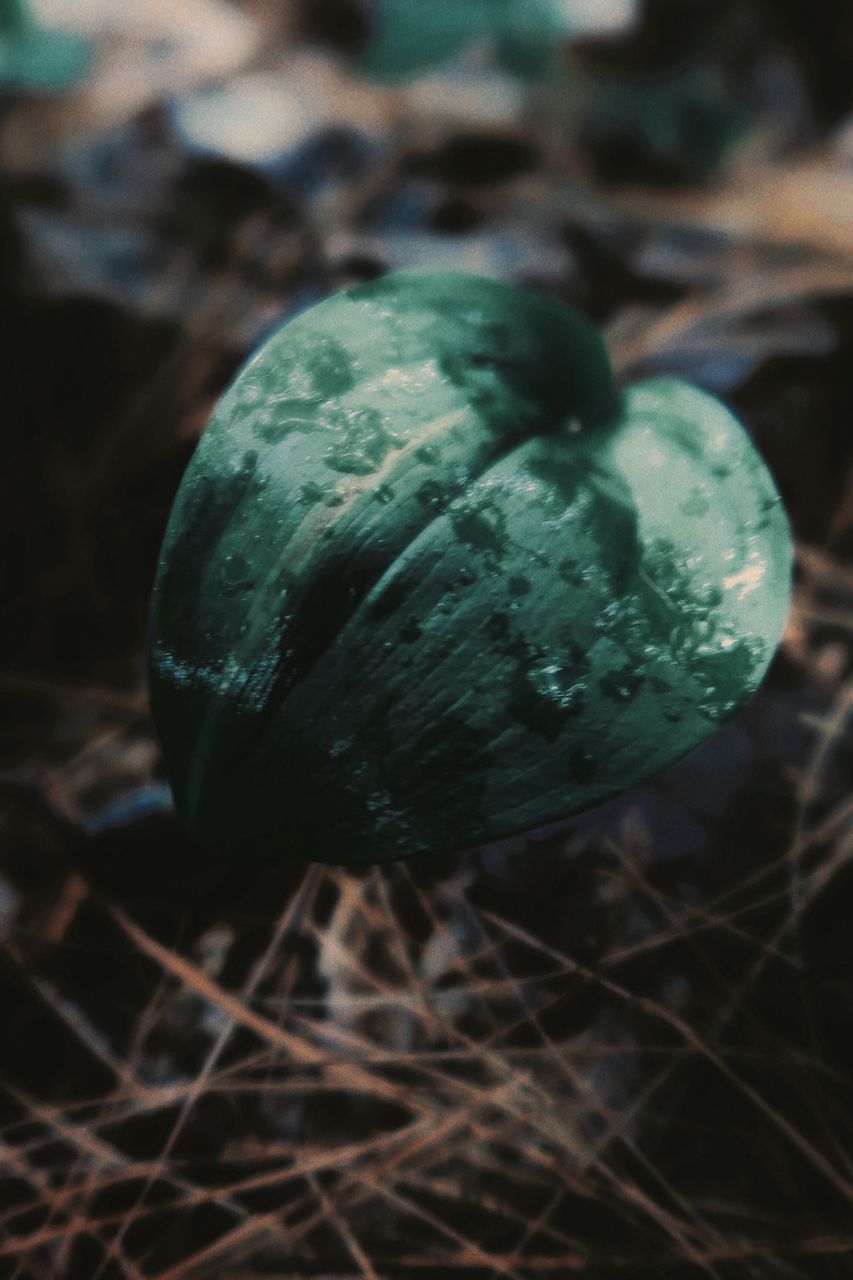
x,y
432,580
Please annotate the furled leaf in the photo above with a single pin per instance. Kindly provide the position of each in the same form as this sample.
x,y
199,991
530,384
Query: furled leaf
x,y
429,581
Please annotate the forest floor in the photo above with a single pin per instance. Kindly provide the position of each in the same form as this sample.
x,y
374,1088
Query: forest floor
x,y
621,1049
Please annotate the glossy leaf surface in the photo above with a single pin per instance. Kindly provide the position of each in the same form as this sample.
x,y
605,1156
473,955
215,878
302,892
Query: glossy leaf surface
x,y
428,582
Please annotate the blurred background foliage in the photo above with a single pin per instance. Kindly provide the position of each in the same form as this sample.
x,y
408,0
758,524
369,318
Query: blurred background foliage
x,y
623,1047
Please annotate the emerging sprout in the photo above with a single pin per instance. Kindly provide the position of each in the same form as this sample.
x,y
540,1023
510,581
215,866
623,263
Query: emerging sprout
x,y
430,580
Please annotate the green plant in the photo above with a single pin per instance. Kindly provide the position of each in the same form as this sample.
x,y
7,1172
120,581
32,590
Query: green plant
x,y
430,579
412,35
33,57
